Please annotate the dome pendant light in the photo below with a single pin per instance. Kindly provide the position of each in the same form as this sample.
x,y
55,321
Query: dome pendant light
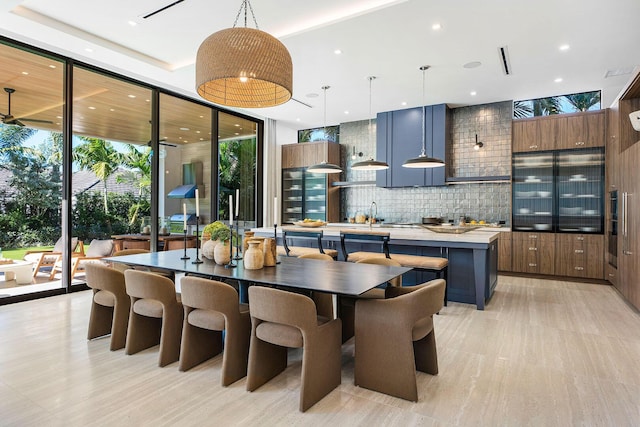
x,y
423,161
244,67
370,164
324,167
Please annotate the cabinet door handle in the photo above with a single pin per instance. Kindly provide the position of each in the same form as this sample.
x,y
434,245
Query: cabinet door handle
x,y
610,274
579,251
533,236
580,143
580,238
532,264
533,249
579,268
533,146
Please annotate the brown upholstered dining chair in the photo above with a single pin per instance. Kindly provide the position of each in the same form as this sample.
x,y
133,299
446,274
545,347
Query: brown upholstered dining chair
x,y
323,300
155,316
283,319
394,337
211,307
109,304
348,304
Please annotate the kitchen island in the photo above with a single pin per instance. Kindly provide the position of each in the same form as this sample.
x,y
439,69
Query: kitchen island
x,y
473,256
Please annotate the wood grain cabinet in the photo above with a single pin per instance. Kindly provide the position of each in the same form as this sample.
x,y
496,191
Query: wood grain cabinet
x,y
533,253
504,251
579,130
580,255
584,130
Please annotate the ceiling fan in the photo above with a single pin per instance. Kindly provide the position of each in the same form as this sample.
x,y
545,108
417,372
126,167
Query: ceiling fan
x,y
162,142
8,119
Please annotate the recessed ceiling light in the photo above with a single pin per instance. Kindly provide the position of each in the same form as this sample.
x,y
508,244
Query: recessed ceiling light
x,y
337,51
237,125
311,95
472,64
558,80
346,112
298,119
236,133
112,109
88,49
132,23
58,117
564,47
437,26
197,131
403,103
202,117
473,93
131,96
184,128
26,73
92,108
147,100
52,66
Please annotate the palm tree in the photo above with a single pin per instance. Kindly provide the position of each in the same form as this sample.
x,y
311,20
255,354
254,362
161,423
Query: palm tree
x,y
583,101
12,140
546,106
138,163
98,156
522,109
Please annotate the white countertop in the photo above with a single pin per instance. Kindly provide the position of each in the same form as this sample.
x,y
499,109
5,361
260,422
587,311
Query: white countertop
x,y
486,235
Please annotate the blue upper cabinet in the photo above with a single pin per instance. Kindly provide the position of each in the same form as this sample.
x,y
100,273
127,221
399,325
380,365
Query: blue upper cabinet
x,y
399,137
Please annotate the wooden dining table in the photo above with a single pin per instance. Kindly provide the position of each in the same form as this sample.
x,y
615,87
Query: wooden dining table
x,y
338,278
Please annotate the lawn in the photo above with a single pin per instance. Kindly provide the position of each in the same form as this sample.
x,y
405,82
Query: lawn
x,y
18,254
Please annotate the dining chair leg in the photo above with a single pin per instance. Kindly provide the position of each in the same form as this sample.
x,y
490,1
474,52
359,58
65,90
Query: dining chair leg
x,y
198,345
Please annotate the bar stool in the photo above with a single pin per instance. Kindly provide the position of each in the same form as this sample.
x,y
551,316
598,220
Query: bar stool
x,y
309,235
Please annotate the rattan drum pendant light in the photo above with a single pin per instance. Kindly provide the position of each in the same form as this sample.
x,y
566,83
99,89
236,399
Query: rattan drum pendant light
x,y
423,161
244,67
370,164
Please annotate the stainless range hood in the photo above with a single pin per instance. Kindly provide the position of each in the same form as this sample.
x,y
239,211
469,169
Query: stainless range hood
x,y
190,174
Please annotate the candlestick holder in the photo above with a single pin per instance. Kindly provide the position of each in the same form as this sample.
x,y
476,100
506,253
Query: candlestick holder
x,y
185,257
275,239
197,260
231,264
238,256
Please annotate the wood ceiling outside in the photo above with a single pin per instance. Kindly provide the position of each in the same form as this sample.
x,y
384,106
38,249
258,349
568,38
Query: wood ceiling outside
x,y
104,107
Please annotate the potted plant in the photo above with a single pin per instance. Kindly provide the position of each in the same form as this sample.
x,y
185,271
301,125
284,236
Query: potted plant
x,y
209,229
217,247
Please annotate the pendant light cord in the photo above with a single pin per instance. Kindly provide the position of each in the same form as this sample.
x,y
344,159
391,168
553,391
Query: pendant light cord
x,y
324,88
424,150
371,78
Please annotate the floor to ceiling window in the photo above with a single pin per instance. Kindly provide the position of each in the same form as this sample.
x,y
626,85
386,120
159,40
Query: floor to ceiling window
x,y
237,168
111,162
185,162
31,109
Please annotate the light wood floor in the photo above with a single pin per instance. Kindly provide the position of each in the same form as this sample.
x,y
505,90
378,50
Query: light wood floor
x,y
543,353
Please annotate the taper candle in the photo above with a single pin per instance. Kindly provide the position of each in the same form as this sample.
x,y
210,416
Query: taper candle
x,y
230,210
237,202
275,210
184,215
197,204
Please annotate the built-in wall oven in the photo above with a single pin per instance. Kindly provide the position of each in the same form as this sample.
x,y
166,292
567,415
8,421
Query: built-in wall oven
x,y
613,228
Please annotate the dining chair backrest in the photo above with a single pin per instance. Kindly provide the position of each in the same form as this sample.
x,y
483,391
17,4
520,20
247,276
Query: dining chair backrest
x,y
371,237
315,235
286,308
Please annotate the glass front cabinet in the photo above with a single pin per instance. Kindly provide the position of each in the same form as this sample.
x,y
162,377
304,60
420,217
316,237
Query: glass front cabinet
x,y
304,195
559,191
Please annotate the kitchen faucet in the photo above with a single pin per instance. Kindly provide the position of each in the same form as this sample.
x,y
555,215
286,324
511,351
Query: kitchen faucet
x,y
371,213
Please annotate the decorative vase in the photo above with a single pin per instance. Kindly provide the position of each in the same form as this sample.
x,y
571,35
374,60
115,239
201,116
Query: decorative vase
x,y
208,248
269,252
245,240
253,257
205,237
221,253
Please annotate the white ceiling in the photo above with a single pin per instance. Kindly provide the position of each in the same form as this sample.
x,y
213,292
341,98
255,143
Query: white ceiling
x,y
389,39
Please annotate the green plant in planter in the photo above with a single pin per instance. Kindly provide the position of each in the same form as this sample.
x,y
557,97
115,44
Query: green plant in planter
x,y
221,232
212,228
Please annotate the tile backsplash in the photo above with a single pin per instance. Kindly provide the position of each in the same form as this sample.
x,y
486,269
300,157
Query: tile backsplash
x,y
481,201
